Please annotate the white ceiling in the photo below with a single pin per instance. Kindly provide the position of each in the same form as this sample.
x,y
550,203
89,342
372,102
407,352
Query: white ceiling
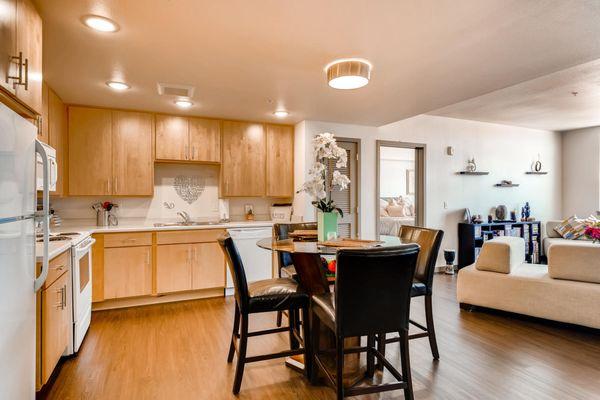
x,y
564,100
238,54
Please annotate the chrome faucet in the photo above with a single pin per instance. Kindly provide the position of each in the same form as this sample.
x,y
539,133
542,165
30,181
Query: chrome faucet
x,y
185,216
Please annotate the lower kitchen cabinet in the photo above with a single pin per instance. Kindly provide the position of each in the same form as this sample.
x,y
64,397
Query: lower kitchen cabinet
x,y
208,267
127,272
173,268
55,323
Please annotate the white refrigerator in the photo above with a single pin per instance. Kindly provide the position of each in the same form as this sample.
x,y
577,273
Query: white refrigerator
x,y
18,280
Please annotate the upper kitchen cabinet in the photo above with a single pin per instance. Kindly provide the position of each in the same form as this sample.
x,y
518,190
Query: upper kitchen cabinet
x,y
21,52
56,125
243,160
110,152
172,138
133,163
90,151
205,140
280,161
187,139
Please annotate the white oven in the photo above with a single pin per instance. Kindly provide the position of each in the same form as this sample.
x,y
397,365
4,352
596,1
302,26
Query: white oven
x,y
52,169
81,254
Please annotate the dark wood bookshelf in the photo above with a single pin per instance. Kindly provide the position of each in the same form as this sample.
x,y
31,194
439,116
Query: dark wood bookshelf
x,y
471,238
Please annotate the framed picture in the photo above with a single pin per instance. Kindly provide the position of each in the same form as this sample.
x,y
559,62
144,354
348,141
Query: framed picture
x,y
410,181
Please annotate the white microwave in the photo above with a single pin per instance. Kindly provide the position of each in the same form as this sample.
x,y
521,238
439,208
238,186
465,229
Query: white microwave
x,y
39,169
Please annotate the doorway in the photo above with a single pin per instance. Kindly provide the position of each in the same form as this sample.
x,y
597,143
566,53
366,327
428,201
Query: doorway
x,y
400,186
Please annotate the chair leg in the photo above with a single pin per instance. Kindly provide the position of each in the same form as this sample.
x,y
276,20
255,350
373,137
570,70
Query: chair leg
x,y
279,318
315,325
381,348
430,328
239,370
339,361
308,349
236,327
405,360
370,356
293,322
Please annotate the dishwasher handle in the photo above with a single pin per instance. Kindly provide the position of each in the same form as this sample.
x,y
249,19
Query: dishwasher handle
x,y
250,233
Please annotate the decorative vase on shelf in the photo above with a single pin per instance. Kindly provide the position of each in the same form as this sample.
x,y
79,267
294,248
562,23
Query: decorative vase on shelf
x,y
327,225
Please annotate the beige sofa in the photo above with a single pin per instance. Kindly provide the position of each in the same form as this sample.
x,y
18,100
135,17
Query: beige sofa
x,y
565,290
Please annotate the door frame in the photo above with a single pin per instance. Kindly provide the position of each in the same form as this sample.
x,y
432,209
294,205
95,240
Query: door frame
x,y
358,143
420,174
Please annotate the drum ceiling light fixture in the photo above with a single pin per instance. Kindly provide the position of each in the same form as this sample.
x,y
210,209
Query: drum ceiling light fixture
x,y
348,73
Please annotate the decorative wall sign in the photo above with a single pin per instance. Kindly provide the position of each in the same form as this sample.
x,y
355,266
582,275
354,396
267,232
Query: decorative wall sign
x,y
189,188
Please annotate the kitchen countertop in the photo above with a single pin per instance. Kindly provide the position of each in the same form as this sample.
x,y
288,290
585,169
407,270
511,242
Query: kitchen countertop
x,y
55,249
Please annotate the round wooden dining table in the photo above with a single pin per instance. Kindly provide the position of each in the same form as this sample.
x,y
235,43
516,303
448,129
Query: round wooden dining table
x,y
306,256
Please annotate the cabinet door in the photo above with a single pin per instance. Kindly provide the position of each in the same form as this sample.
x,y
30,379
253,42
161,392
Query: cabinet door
x,y
29,41
127,272
208,266
57,138
205,140
133,165
280,161
172,138
244,159
173,268
55,324
90,158
43,131
8,43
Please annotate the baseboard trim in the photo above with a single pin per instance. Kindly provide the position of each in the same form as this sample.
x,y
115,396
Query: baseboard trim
x,y
149,300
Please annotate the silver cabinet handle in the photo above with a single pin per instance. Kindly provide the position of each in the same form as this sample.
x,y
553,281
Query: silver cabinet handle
x,y
19,77
64,290
26,84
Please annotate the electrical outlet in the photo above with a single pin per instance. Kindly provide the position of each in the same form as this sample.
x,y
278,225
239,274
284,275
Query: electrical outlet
x,y
445,205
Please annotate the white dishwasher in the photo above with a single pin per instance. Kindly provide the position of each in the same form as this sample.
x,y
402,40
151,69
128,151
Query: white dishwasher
x,y
257,262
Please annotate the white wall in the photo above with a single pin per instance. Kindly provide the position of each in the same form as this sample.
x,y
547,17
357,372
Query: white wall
x,y
581,172
505,151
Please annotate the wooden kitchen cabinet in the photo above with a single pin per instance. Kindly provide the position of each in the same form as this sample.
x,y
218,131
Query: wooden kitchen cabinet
x,y
172,138
243,160
173,268
133,162
90,151
208,266
56,322
56,121
205,140
280,161
110,152
8,42
127,272
42,134
29,43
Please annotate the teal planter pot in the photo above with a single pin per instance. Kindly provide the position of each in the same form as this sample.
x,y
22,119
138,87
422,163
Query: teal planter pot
x,y
327,223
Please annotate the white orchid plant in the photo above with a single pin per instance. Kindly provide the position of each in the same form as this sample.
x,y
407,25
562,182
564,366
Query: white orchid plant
x,y
320,183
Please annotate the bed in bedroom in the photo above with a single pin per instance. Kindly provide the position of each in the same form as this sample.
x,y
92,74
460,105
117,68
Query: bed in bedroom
x,y
395,212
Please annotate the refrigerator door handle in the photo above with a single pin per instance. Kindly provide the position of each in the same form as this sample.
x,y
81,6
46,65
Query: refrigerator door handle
x,y
45,215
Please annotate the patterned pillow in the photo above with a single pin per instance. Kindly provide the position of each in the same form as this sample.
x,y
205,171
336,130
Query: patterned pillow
x,y
571,228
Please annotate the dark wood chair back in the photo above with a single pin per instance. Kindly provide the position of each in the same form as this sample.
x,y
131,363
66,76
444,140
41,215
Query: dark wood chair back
x,y
372,289
430,241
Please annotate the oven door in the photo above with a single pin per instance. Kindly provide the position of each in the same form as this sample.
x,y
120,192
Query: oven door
x,y
82,290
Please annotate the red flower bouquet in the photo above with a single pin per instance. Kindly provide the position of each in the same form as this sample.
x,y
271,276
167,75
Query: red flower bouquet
x,y
592,232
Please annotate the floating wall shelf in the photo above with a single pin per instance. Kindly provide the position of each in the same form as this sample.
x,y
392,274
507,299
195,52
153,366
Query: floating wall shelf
x,y
506,185
536,172
472,173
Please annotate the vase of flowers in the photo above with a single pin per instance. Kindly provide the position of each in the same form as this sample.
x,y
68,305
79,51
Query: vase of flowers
x,y
323,178
592,232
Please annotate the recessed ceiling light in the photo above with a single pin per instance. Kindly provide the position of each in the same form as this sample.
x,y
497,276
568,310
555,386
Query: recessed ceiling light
x,y
348,73
117,85
184,103
281,113
101,24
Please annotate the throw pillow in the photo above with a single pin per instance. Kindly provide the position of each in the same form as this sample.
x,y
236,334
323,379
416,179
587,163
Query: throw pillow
x,y
396,211
571,228
383,212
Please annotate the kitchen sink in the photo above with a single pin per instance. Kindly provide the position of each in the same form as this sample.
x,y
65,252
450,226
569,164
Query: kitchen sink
x,y
191,223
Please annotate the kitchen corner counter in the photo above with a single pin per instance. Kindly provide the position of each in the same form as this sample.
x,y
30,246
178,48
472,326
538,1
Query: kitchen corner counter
x,y
55,249
134,225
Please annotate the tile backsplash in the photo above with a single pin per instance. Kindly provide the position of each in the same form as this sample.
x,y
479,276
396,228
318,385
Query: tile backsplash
x,y
199,184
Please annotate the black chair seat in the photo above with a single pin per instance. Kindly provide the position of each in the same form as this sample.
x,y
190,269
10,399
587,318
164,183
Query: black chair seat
x,y
418,289
275,294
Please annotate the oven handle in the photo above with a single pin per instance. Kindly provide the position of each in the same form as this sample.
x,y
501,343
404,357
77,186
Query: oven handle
x,y
83,250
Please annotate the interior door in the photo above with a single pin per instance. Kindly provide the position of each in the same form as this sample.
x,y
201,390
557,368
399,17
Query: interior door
x,y
132,154
347,199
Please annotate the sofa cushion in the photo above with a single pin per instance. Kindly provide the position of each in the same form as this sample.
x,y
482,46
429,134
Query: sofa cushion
x,y
501,254
575,261
571,228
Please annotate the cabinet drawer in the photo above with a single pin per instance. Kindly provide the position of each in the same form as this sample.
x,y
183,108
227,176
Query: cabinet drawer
x,y
189,236
57,266
128,239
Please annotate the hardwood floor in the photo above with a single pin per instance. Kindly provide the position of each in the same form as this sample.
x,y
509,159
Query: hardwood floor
x,y
179,350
